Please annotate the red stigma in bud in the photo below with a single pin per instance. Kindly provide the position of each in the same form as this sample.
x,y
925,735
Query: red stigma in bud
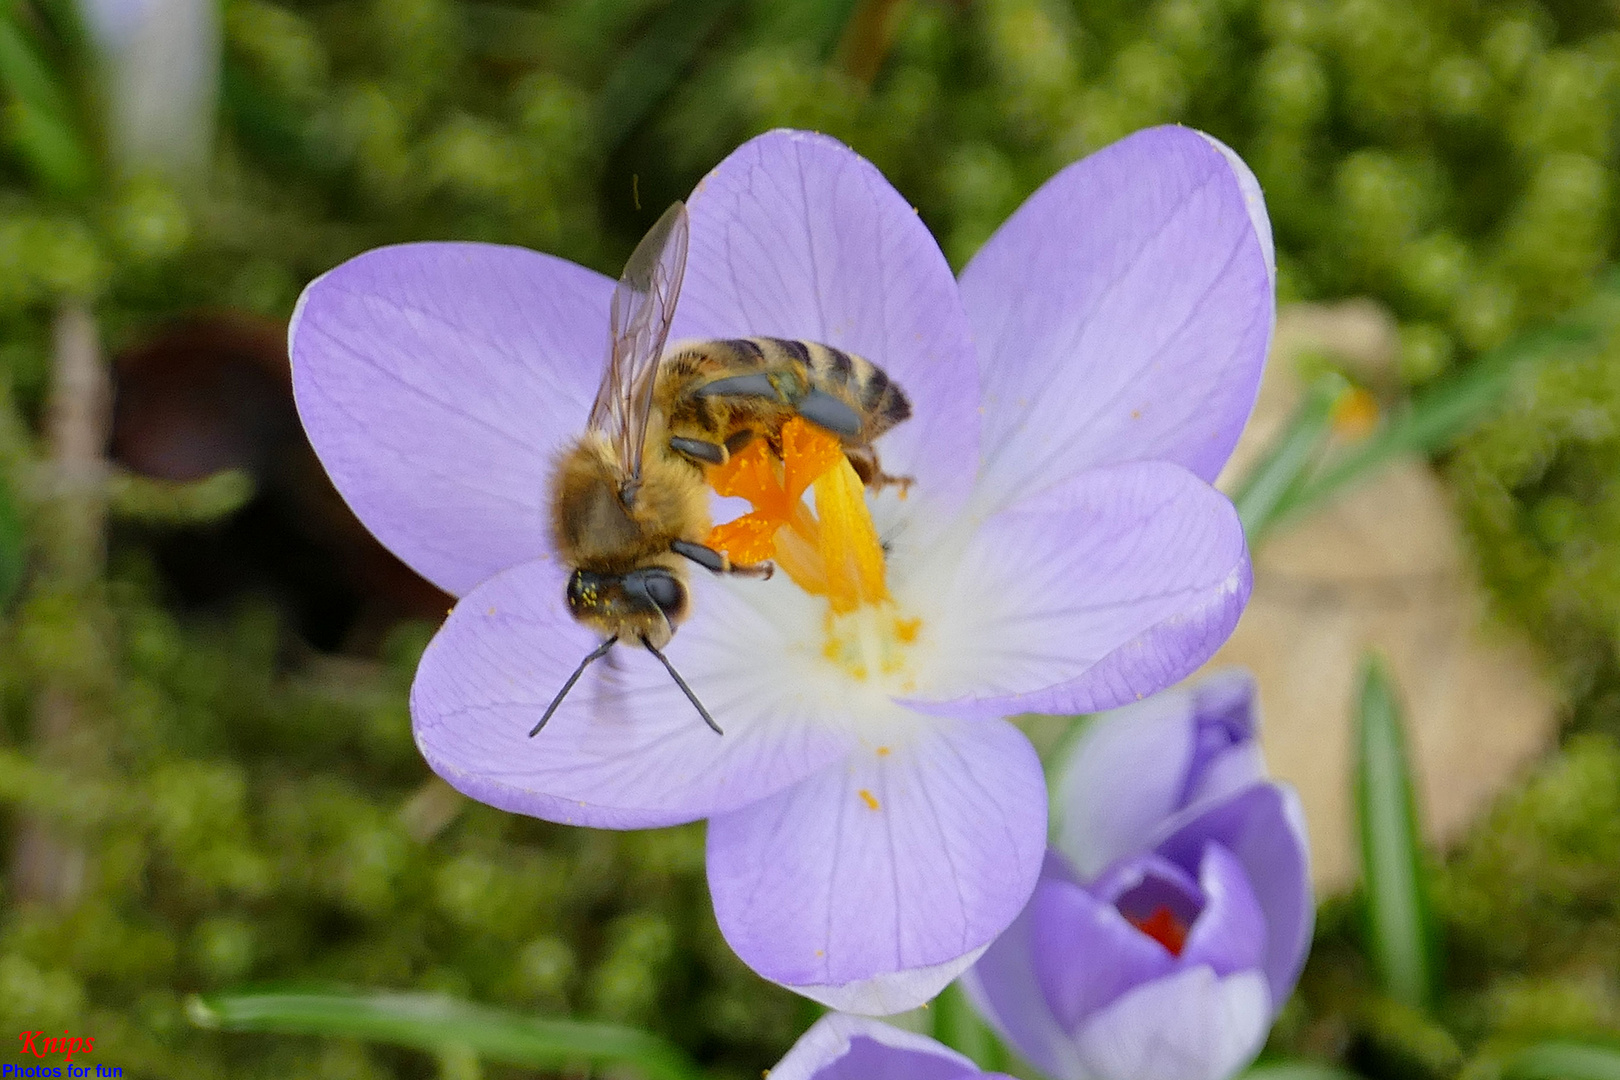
x,y
1163,926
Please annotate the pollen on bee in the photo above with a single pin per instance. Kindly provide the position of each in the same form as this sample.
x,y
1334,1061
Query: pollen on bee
x,y
870,800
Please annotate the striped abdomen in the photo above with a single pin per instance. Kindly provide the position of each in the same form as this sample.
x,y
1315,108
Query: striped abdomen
x,y
727,387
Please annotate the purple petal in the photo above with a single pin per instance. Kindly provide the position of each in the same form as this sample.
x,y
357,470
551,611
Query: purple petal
x,y
1004,989
1230,933
1264,829
903,858
1227,758
437,383
844,1047
1135,767
1189,1026
795,235
1085,952
1098,593
626,749
1123,780
1122,313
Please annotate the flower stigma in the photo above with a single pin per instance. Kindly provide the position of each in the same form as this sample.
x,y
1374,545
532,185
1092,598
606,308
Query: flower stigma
x,y
833,552
1162,926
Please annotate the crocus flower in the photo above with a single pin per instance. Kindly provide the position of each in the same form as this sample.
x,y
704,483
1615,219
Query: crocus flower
x,y
874,822
1173,915
844,1047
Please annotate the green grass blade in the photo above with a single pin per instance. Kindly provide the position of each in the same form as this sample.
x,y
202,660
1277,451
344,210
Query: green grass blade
x,y
959,1027
430,1022
1565,1059
23,71
13,546
1400,939
38,117
1265,490
1439,416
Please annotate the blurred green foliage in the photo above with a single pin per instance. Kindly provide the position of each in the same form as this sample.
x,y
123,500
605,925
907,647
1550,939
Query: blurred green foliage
x,y
256,811
1529,909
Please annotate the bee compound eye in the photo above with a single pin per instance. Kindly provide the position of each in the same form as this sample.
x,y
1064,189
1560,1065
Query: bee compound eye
x,y
667,593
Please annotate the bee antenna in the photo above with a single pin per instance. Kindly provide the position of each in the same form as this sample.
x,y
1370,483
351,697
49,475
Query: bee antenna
x,y
687,690
594,655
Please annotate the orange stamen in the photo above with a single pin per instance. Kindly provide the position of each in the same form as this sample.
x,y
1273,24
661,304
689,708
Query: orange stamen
x,y
835,552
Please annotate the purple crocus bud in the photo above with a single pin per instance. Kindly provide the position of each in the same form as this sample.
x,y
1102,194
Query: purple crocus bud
x,y
874,821
844,1047
1173,915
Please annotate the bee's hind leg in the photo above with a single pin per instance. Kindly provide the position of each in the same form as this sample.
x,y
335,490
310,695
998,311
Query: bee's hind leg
x,y
719,562
864,460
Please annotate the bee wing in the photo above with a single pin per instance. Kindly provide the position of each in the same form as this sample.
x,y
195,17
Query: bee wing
x,y
643,307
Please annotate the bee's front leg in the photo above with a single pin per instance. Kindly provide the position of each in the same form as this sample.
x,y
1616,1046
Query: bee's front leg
x,y
719,562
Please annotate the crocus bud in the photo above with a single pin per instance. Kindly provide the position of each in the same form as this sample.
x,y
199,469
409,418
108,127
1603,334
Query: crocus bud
x,y
844,1047
1174,911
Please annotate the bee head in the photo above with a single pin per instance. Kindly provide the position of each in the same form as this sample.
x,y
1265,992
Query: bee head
x,y
644,605
641,607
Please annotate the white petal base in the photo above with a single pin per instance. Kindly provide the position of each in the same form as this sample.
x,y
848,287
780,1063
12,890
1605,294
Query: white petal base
x,y
896,992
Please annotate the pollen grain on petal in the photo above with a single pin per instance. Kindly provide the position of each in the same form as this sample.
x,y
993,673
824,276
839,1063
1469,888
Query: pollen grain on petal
x,y
870,800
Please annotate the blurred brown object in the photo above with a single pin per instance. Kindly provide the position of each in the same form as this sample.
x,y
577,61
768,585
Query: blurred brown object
x,y
1383,566
212,392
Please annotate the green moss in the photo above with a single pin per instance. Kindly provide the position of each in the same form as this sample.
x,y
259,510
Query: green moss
x,y
256,812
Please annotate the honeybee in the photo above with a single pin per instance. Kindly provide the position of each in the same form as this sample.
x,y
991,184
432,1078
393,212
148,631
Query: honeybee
x,y
629,506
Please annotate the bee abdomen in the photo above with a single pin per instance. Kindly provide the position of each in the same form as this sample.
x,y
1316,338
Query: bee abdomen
x,y
874,394
853,378
717,388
